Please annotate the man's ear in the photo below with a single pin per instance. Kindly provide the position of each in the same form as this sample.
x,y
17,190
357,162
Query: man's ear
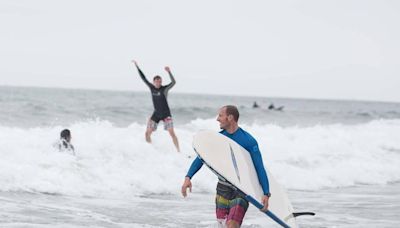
x,y
230,117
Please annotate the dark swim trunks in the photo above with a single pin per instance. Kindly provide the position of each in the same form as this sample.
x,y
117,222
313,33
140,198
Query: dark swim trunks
x,y
168,123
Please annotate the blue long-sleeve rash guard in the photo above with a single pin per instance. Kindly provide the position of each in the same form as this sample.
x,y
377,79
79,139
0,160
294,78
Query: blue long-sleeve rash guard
x,y
250,144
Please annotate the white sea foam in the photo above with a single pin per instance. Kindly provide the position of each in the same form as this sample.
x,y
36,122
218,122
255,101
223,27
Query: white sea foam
x,y
117,162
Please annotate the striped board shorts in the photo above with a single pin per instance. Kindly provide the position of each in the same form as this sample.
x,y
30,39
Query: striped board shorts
x,y
234,209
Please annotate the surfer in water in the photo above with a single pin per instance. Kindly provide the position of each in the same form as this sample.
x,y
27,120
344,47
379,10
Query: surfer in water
x,y
162,112
272,107
255,105
65,142
230,204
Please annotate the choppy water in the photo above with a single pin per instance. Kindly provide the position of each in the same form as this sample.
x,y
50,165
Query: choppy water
x,y
37,107
339,159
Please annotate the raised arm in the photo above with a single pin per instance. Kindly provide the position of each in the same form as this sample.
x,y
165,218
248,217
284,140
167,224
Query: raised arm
x,y
173,82
142,76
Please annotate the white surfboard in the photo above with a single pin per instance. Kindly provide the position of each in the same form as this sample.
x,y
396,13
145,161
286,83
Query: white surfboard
x,y
233,163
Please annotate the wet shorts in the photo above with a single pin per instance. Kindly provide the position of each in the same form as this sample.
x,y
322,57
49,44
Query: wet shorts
x,y
168,123
233,209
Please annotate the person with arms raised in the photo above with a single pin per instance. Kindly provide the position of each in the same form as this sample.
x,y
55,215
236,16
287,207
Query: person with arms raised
x,y
161,111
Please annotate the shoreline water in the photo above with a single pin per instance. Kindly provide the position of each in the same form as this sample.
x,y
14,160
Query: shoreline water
x,y
358,206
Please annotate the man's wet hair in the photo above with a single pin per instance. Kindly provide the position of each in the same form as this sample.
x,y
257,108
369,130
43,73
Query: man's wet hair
x,y
65,134
156,77
232,110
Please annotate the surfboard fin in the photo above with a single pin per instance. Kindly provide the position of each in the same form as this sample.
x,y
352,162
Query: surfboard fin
x,y
296,214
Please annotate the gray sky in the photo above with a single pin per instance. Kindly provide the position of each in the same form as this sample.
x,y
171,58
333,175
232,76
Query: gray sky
x,y
303,49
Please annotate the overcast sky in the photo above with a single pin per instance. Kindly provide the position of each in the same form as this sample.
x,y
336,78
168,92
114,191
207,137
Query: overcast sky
x,y
302,49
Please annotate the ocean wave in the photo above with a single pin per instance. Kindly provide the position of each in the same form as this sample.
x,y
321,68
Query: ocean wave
x,y
116,161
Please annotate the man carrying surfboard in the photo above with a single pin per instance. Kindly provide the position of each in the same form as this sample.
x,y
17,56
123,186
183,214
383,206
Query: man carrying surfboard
x,y
162,112
231,206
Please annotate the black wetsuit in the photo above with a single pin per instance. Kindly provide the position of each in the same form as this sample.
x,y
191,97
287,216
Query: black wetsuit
x,y
64,145
159,96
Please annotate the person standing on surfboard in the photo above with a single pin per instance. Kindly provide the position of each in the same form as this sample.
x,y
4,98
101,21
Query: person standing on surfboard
x,y
159,95
230,204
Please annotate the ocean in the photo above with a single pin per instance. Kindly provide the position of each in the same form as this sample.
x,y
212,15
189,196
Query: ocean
x,y
339,159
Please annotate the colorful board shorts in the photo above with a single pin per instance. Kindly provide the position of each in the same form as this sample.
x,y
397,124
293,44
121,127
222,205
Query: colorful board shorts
x,y
168,123
234,209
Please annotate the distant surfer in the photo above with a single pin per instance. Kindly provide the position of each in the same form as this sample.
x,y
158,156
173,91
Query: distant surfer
x,y
162,112
230,204
272,107
64,144
255,105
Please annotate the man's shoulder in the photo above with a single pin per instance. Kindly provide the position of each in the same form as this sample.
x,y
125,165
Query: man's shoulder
x,y
241,135
248,136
